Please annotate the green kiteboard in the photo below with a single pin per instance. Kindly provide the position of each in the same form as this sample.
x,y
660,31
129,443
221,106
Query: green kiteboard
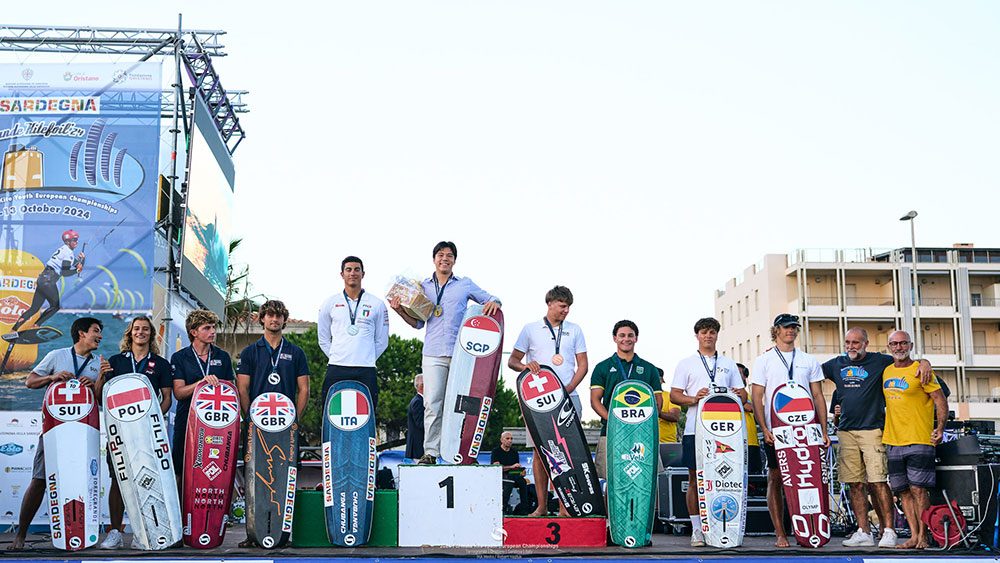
x,y
633,441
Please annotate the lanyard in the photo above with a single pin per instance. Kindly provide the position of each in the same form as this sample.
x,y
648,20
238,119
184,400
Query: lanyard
x,y
552,331
208,361
77,369
353,314
621,366
715,366
135,366
277,358
784,361
440,290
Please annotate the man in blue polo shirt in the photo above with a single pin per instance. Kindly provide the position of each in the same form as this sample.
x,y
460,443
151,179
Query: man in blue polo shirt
x,y
271,365
191,364
451,295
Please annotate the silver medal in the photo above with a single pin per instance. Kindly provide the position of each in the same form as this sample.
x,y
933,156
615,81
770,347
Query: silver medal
x,y
352,330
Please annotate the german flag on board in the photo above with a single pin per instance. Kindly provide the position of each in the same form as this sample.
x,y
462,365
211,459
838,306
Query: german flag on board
x,y
721,408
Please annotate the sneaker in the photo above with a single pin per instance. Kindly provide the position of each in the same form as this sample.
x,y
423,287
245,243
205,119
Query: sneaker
x,y
114,540
697,538
136,545
860,539
427,459
888,538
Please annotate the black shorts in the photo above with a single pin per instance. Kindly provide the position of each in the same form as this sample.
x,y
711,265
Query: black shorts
x,y
755,464
911,465
365,375
687,456
772,457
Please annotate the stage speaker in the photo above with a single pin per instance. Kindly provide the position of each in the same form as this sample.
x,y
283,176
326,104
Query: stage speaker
x,y
974,488
672,454
673,486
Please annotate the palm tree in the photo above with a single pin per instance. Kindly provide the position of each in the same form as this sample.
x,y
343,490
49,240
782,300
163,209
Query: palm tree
x,y
241,306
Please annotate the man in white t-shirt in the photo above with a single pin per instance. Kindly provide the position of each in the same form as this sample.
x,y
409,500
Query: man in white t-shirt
x,y
771,369
693,378
560,345
353,331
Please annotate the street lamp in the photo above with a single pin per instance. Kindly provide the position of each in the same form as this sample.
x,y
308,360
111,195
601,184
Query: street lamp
x,y
917,336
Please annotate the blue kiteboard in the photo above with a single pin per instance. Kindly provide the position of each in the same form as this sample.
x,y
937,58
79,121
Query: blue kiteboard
x,y
349,463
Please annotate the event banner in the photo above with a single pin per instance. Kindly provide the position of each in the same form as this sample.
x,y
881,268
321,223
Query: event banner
x,y
78,193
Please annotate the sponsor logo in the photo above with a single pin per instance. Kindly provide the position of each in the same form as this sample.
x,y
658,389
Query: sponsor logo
x,y
50,105
636,453
853,376
327,476
213,453
204,539
349,409
274,378
69,401
793,405
372,466
484,417
212,471
128,399
566,414
725,508
217,405
273,412
214,440
27,73
586,508
267,542
93,467
632,470
11,449
724,469
286,518
11,307
542,391
480,336
895,387
721,448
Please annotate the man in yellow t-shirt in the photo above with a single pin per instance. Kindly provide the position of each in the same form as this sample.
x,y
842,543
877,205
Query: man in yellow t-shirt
x,y
669,415
911,433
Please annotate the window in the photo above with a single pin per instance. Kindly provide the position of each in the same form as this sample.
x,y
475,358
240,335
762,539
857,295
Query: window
x,y
758,344
756,300
739,308
740,357
746,309
730,315
722,318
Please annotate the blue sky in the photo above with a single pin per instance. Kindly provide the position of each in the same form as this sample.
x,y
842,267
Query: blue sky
x,y
640,153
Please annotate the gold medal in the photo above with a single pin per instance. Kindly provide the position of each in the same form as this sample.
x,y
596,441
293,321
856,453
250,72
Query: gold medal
x,y
438,310
557,360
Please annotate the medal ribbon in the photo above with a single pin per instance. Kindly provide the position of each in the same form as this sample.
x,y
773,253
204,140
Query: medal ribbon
x,y
135,366
79,369
622,366
353,314
784,361
552,331
715,366
208,361
439,290
277,357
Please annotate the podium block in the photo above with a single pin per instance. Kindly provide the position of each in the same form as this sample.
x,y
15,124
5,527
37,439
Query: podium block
x,y
309,524
385,520
450,505
562,532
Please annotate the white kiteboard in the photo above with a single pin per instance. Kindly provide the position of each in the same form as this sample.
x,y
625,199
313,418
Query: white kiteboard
x,y
472,384
72,441
721,447
140,456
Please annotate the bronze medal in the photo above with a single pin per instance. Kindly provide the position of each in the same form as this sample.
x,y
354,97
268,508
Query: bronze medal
x,y
557,360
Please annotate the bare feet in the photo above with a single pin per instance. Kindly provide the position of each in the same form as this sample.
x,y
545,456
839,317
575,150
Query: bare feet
x,y
563,513
781,542
912,543
539,512
17,544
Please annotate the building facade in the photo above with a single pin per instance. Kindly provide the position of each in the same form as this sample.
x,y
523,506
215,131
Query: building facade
x,y
958,303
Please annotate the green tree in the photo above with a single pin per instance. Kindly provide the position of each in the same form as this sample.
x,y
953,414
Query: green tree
x,y
311,427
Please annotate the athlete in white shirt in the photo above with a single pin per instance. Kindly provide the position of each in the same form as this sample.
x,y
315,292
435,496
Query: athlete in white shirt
x,y
771,369
353,331
561,346
63,263
692,379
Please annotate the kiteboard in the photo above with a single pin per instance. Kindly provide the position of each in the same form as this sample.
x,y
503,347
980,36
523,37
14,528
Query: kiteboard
x,y
213,436
349,463
34,335
72,440
799,448
140,456
633,444
555,429
721,436
271,469
472,383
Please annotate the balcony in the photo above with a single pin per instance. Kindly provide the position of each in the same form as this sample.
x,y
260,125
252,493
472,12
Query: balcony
x,y
869,307
817,306
986,356
984,307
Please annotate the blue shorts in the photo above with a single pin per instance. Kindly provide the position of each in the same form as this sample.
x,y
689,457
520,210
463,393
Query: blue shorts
x,y
911,465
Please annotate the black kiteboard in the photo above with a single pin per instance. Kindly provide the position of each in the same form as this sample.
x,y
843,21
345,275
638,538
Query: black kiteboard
x,y
555,429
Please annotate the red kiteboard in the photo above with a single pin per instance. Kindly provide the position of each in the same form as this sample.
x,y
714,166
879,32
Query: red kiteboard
x,y
798,445
213,436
